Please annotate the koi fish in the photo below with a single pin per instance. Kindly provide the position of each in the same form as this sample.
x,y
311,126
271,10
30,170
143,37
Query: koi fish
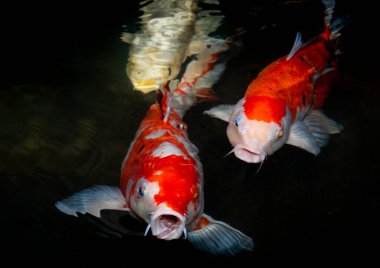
x,y
283,104
162,180
170,32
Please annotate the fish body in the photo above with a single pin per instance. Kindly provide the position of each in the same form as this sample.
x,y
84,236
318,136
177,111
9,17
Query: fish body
x,y
283,104
162,165
162,177
170,32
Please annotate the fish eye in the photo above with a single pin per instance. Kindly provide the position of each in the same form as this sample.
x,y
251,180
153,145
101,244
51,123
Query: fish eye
x,y
141,191
196,194
237,120
280,133
181,126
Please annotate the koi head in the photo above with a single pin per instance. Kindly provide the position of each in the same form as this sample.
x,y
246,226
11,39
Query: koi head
x,y
258,126
169,197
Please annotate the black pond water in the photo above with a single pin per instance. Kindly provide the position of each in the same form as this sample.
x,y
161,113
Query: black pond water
x,y
68,115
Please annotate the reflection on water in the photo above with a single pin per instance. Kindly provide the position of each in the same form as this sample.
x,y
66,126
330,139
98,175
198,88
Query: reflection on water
x,y
68,126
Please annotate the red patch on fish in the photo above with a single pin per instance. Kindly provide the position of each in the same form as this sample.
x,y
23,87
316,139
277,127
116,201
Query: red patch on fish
x,y
292,81
263,108
177,182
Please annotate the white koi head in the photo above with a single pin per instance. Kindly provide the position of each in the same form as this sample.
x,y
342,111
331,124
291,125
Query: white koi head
x,y
257,126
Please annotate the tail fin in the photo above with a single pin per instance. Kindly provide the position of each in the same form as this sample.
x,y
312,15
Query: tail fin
x,y
329,11
333,22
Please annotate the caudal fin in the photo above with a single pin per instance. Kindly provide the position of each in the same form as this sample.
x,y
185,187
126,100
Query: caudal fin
x,y
329,10
332,21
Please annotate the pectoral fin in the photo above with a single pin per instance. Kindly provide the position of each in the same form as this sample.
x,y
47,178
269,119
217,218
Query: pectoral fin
x,y
222,112
301,137
93,200
219,238
317,121
313,132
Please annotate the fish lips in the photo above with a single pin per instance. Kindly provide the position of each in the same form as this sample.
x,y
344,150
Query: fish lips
x,y
167,224
247,155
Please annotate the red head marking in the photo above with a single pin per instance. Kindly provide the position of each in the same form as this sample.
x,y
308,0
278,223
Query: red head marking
x,y
263,108
177,182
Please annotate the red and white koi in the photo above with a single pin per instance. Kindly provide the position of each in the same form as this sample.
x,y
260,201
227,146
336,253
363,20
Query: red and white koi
x,y
283,104
162,176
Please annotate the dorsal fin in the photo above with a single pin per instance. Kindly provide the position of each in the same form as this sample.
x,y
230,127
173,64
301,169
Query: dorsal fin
x,y
296,46
172,86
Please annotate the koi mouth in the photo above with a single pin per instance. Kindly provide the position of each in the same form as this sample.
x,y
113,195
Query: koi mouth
x,y
168,221
248,155
167,225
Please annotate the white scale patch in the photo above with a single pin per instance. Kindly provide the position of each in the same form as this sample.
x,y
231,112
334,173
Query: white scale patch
x,y
156,134
193,151
166,149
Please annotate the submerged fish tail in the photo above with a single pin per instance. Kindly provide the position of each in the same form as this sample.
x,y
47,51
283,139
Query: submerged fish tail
x,y
333,23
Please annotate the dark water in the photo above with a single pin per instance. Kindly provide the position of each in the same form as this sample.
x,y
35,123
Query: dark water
x,y
68,115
